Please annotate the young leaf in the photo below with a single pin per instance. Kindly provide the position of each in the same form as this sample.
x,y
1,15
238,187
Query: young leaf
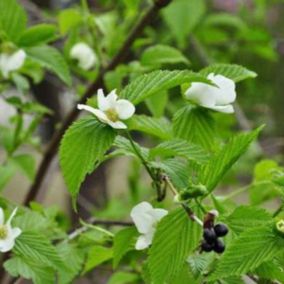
x,y
13,19
162,54
222,161
154,82
69,19
244,254
196,126
36,35
124,241
123,278
50,58
234,72
26,164
82,147
173,241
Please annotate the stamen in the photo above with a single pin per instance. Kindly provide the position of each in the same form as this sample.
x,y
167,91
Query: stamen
x,y
3,232
112,115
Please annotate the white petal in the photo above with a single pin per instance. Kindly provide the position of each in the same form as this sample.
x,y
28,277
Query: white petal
x,y
144,241
16,232
158,213
12,62
2,219
141,217
102,100
124,108
12,216
7,244
112,98
224,109
117,124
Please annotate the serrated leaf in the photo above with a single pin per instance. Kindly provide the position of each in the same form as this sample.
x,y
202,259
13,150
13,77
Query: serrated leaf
x,y
36,35
270,270
159,54
223,160
13,19
50,58
124,241
252,248
154,82
159,127
172,243
37,248
235,72
121,277
157,104
181,148
82,147
246,217
196,126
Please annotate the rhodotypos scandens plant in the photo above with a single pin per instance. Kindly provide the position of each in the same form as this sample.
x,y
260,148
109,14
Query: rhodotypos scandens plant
x,y
84,54
8,234
146,218
219,97
11,62
111,110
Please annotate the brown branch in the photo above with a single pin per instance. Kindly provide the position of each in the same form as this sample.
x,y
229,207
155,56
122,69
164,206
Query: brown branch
x,y
119,58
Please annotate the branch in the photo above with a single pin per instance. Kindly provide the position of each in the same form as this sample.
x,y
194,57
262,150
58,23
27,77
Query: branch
x,y
72,116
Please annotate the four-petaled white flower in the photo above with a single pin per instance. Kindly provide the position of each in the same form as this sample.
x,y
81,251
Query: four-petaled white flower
x,y
111,109
218,98
11,62
7,233
146,218
84,54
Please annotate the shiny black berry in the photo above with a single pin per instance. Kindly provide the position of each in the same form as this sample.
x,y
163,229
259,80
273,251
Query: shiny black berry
x,y
209,235
219,246
206,247
221,230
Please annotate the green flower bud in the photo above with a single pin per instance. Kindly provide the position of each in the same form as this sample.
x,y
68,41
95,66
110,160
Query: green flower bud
x,y
279,226
192,191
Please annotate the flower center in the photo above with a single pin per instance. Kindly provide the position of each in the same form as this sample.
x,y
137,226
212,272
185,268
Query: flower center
x,y
280,226
3,232
112,114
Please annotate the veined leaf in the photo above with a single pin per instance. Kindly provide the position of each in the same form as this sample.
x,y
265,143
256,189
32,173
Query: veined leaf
x,y
172,243
13,19
82,147
270,270
196,126
234,72
180,147
154,82
121,277
50,58
223,160
159,127
247,252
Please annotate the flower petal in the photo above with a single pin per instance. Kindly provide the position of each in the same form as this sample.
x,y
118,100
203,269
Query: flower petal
x,y
224,109
144,241
158,213
16,232
102,100
112,98
84,54
141,217
12,216
7,244
124,108
117,124
2,219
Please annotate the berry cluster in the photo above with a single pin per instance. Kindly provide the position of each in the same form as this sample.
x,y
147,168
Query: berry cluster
x,y
211,239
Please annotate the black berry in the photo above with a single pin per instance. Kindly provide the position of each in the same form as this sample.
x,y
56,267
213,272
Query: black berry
x,y
209,235
219,246
221,230
206,247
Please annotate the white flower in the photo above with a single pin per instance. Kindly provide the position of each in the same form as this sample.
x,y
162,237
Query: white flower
x,y
146,218
218,98
84,54
7,233
111,109
11,62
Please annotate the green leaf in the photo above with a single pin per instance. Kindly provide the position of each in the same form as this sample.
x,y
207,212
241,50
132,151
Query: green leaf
x,y
123,278
50,58
157,104
82,147
26,163
181,148
196,126
155,82
182,16
69,19
37,248
247,217
173,241
235,72
158,55
96,256
6,173
223,160
159,127
13,19
37,35
252,248
270,270
124,241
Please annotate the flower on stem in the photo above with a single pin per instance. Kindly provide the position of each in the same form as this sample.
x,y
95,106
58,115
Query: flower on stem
x,y
218,98
7,233
111,110
11,62
146,218
84,54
